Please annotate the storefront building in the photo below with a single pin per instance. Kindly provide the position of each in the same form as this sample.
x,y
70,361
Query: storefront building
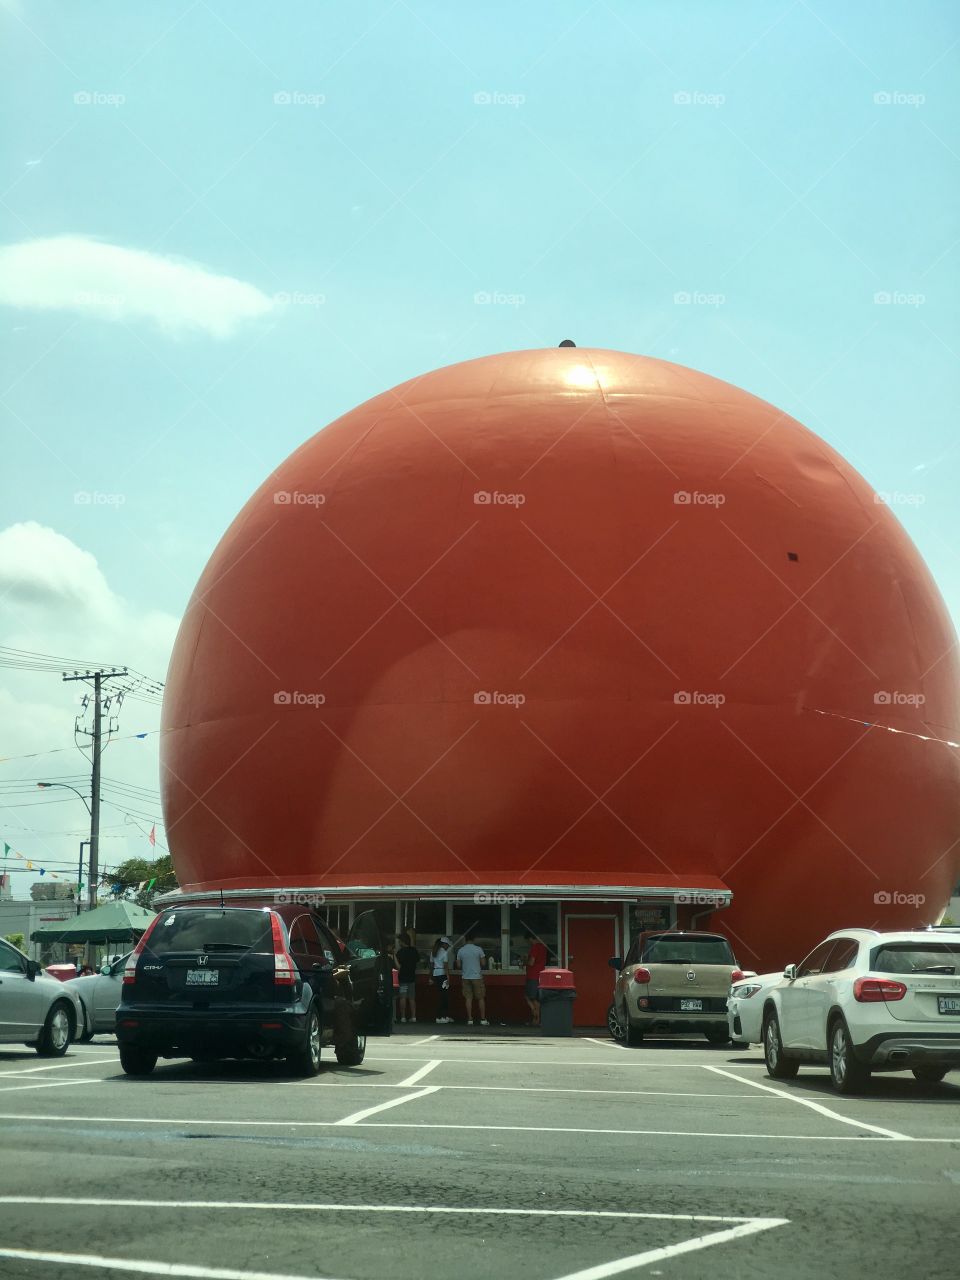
x,y
581,927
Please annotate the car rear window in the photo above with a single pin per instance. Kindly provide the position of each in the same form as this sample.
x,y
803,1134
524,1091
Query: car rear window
x,y
215,930
917,957
687,951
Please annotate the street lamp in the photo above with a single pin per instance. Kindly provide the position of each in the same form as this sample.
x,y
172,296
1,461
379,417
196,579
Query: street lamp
x,y
67,787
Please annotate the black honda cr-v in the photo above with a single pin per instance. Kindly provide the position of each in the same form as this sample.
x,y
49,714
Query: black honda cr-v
x,y
211,982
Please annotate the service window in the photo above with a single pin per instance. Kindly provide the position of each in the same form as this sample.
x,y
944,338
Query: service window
x,y
538,918
337,916
483,920
430,923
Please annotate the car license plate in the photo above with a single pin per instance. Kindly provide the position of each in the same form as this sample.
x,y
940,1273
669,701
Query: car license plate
x,y
202,977
948,1004
691,1006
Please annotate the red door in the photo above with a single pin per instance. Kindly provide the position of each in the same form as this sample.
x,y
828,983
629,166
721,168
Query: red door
x,y
591,941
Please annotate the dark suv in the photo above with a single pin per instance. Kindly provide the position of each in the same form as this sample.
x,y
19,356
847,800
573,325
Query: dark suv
x,y
210,982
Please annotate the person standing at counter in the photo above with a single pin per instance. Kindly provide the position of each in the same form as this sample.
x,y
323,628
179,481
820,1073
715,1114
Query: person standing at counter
x,y
440,966
535,964
471,960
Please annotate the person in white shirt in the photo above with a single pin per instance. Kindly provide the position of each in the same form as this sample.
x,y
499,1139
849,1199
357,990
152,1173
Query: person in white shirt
x,y
440,968
471,959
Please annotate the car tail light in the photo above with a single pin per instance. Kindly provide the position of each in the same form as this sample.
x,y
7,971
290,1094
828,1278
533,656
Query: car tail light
x,y
873,990
130,968
640,974
284,972
737,976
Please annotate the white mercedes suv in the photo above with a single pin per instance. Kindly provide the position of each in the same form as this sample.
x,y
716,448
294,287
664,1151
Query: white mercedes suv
x,y
865,1001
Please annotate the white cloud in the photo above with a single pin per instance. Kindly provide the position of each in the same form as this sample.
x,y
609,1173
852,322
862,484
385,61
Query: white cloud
x,y
57,600
75,273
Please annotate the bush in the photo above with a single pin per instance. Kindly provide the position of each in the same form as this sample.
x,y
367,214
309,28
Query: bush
x,y
16,940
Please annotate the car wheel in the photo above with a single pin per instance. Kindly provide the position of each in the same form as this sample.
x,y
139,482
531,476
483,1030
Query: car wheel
x,y
929,1075
718,1036
847,1073
350,1052
137,1061
55,1036
613,1023
306,1060
778,1066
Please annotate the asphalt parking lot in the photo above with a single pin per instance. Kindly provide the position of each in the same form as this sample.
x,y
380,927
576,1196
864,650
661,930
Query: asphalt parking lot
x,y
473,1156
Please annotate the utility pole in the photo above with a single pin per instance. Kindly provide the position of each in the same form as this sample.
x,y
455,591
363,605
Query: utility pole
x,y
97,678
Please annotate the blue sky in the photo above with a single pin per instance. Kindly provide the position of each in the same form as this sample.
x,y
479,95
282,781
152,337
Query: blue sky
x,y
361,173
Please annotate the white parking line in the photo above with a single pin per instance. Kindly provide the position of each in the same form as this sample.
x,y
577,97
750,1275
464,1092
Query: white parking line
x,y
425,1040
57,1066
637,1260
302,1206
385,1106
816,1106
47,1084
607,1044
418,1075
169,1121
333,1083
144,1267
601,1060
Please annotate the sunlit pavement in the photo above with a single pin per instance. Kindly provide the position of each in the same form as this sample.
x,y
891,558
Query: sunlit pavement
x,y
473,1153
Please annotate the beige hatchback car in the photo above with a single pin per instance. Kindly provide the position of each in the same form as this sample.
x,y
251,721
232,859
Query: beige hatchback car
x,y
673,981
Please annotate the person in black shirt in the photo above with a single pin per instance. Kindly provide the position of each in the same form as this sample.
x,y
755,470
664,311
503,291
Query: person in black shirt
x,y
408,957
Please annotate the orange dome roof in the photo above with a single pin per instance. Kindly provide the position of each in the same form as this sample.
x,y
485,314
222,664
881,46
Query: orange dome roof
x,y
571,617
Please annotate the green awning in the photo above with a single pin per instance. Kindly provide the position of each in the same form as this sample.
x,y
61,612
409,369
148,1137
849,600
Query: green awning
x,y
113,922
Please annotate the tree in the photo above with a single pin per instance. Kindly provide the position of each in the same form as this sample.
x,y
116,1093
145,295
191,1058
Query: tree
x,y
16,940
139,871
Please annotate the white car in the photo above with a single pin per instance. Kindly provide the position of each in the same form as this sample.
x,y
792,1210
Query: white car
x,y
35,1010
865,1001
745,1007
99,996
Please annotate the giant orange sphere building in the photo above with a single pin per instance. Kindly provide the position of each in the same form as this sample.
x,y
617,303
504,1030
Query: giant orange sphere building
x,y
583,628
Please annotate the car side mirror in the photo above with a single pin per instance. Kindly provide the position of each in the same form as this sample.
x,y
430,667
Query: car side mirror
x,y
105,967
33,968
615,962
790,972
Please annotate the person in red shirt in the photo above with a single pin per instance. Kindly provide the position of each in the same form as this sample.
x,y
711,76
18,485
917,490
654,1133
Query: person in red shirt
x,y
535,962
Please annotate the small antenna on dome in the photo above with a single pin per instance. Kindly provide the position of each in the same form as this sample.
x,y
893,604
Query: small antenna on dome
x,y
568,342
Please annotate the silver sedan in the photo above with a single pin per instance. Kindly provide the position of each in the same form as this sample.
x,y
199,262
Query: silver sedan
x,y
99,996
35,1009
